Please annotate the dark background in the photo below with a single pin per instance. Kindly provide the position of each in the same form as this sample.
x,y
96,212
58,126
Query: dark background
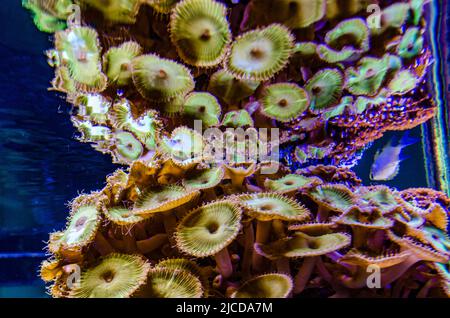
x,y
42,166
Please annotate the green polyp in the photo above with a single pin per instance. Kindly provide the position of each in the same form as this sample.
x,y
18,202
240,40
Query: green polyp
x,y
145,127
116,276
417,10
411,44
80,50
230,89
202,106
394,62
199,30
92,132
49,16
367,77
260,54
62,81
392,17
345,103
305,49
288,183
332,56
437,238
128,147
284,101
60,9
122,216
173,107
169,283
159,79
237,118
265,286
362,102
209,229
184,146
325,89
300,155
82,226
382,198
163,6
117,11
47,23
93,107
335,197
117,62
296,13
403,82
351,33
204,179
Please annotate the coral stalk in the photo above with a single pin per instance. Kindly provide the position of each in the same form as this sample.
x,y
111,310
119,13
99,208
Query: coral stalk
x,y
304,273
152,243
224,264
262,235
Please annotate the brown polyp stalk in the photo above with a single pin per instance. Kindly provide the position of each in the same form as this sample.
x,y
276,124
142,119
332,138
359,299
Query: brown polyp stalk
x,y
357,281
261,237
376,240
152,243
278,228
283,266
223,261
102,245
249,238
397,288
359,236
129,241
304,273
237,181
282,263
336,256
139,231
323,271
168,250
170,223
325,274
253,188
118,244
426,288
322,214
397,271
209,194
406,293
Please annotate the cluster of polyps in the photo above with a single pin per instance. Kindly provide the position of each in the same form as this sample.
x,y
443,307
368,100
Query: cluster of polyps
x,y
322,72
170,230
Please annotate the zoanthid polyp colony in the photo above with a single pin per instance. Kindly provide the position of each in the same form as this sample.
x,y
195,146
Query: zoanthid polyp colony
x,y
327,77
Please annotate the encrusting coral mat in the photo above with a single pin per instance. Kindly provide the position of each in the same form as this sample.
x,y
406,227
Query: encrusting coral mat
x,y
175,91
